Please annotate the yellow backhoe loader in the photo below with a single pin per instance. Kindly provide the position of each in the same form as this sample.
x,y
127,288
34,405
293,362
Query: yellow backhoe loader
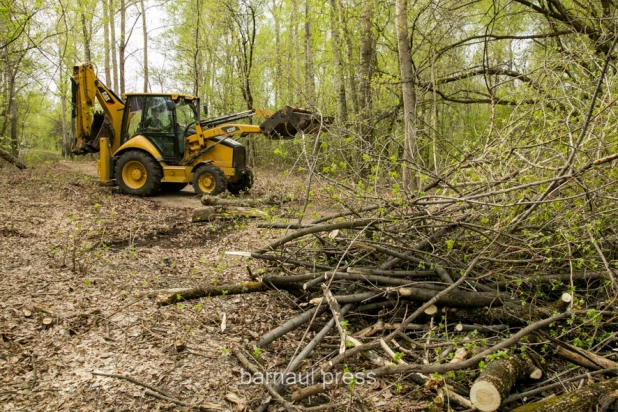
x,y
152,142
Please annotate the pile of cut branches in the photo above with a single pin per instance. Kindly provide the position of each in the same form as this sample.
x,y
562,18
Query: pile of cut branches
x,y
483,300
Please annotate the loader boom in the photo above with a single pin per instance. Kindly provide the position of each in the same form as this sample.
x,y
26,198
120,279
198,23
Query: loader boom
x,y
86,87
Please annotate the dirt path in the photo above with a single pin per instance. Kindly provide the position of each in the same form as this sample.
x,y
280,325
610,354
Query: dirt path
x,y
74,252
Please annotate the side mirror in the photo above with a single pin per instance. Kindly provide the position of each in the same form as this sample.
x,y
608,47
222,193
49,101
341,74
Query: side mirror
x,y
170,105
205,110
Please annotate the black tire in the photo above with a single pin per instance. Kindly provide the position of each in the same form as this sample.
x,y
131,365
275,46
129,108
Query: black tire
x,y
209,180
172,187
243,184
137,173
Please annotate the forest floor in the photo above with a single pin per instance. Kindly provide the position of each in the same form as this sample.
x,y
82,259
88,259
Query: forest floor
x,y
72,254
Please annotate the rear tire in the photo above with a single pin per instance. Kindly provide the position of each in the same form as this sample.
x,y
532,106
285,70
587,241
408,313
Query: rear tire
x,y
209,180
137,173
243,184
172,187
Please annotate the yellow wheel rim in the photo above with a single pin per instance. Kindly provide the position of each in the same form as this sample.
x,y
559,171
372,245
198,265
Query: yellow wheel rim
x,y
207,182
134,174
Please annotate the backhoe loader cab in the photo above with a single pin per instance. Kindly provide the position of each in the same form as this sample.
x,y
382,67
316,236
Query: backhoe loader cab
x,y
163,120
151,142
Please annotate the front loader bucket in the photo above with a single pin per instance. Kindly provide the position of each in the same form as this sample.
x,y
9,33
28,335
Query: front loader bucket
x,y
289,121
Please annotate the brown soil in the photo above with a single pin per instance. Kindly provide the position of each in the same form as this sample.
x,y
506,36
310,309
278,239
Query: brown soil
x,y
74,252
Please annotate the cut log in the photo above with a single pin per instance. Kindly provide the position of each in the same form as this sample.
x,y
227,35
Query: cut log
x,y
564,302
18,163
239,202
336,311
431,310
174,295
290,325
462,352
510,313
584,358
171,296
492,387
210,213
457,298
596,396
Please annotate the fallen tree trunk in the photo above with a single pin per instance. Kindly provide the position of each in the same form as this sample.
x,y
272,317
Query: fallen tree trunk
x,y
457,298
210,213
15,161
590,397
171,296
583,357
493,385
218,201
510,313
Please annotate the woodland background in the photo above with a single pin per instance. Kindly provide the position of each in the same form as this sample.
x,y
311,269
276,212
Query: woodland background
x,y
414,86
471,160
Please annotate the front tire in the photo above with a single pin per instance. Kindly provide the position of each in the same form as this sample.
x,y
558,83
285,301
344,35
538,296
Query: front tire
x,y
243,184
209,180
137,173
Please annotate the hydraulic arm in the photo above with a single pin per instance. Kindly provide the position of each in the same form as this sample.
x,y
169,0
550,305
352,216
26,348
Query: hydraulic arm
x,y
85,88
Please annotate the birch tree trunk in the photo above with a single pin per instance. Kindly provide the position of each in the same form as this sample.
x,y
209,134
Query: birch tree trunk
x,y
410,151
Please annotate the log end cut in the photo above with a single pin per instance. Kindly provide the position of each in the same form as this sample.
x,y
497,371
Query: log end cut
x,y
485,396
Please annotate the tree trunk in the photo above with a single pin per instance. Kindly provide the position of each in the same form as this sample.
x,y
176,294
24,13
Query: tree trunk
x,y
410,151
145,35
251,202
123,45
171,296
112,29
66,132
87,35
342,108
14,115
278,84
494,384
106,45
294,76
12,159
350,66
457,298
596,396
196,50
366,68
510,313
6,92
309,66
